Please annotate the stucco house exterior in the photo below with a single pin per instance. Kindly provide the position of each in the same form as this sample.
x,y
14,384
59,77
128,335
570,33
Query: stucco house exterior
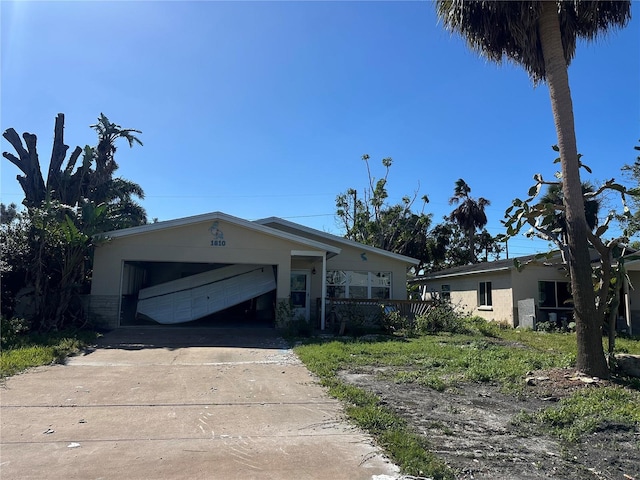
x,y
191,268
498,291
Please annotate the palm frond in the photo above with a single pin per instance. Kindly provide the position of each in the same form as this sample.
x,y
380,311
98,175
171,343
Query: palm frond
x,y
508,30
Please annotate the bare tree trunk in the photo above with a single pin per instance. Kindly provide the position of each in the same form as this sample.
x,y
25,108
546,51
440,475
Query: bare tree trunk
x,y
59,151
613,316
27,161
590,358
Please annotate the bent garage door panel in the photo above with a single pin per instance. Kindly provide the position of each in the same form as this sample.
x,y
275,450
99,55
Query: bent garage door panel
x,y
197,296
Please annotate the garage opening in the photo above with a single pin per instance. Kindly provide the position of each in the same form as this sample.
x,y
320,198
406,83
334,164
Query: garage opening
x,y
198,294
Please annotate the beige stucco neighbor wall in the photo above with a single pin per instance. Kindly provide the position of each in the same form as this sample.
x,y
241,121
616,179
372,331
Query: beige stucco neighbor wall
x,y
464,295
525,285
508,287
464,292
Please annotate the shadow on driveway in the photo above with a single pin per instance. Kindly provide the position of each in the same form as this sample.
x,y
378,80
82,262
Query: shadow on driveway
x,y
173,337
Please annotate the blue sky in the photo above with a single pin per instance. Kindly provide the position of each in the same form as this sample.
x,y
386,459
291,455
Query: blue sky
x,y
264,109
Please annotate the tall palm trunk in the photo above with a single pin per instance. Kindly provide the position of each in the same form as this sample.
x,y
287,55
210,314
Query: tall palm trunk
x,y
470,236
590,357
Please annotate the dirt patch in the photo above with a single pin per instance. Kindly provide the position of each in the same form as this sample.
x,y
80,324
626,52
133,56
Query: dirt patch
x,y
471,428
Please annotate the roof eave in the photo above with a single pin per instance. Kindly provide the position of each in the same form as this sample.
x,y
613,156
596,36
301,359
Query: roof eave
x,y
458,274
346,241
180,222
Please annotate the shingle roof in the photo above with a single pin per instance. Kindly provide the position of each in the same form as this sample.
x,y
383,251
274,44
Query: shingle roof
x,y
487,267
276,222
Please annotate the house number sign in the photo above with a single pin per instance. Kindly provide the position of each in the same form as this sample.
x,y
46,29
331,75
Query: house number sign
x,y
218,236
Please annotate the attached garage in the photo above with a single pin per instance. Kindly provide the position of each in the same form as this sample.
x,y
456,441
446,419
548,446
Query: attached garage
x,y
194,296
215,267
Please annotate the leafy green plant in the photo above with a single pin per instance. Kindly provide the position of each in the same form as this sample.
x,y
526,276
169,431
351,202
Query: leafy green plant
x,y
442,316
394,322
483,327
12,330
588,411
284,313
547,327
34,350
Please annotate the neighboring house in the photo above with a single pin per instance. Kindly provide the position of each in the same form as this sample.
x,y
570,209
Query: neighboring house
x,y
540,292
191,268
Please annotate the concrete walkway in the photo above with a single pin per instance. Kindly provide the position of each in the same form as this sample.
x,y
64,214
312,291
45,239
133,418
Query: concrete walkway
x,y
177,403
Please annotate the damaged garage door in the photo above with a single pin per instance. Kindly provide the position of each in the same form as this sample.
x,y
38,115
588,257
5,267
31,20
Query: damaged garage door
x,y
197,296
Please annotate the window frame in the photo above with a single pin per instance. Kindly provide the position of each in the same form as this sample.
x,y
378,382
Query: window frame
x,y
371,285
557,304
445,292
485,298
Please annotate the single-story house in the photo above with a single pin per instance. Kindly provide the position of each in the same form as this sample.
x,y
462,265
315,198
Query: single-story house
x,y
540,292
190,269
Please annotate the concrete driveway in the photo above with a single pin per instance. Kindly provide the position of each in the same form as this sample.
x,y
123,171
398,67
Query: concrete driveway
x,y
177,403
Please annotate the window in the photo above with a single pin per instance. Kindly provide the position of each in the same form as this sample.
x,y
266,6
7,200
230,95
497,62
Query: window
x,y
336,284
445,292
484,294
347,284
358,283
554,295
380,285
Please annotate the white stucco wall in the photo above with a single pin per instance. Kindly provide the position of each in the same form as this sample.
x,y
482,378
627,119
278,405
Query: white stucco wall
x,y
192,243
195,243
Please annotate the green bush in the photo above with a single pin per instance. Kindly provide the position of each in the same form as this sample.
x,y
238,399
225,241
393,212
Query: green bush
x,y
440,317
33,349
12,331
546,327
393,321
483,327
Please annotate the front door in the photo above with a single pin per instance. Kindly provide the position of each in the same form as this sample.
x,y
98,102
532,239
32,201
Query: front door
x,y
300,296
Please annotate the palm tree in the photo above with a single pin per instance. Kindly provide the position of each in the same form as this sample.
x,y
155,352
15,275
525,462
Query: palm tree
x,y
469,215
123,210
104,152
541,36
554,196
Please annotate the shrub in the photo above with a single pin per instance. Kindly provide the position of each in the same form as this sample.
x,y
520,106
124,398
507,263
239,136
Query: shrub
x,y
11,331
284,313
546,327
393,321
440,317
484,327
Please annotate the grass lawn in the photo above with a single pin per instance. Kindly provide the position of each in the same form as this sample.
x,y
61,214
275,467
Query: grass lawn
x,y
497,356
28,351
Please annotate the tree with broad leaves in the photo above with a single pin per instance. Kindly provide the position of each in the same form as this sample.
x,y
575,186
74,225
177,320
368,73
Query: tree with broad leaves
x,y
591,207
369,219
90,180
541,36
8,213
545,219
50,243
632,171
448,247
